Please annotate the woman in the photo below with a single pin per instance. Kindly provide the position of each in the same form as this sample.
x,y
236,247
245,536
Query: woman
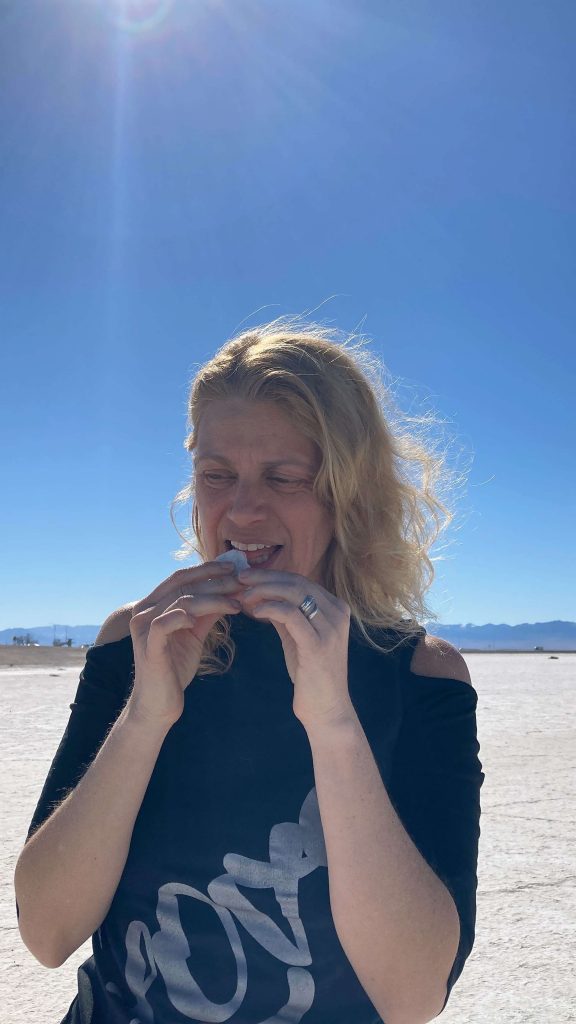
x,y
265,806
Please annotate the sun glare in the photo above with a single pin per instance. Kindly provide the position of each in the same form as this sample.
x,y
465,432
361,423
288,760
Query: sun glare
x,y
139,16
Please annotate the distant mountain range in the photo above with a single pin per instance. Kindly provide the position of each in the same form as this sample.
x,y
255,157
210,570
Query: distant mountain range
x,y
552,636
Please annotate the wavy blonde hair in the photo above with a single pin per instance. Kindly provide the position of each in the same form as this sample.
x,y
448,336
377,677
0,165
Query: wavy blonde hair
x,y
380,474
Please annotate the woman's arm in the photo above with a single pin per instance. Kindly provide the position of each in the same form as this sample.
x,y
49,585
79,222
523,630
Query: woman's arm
x,y
69,870
396,921
395,916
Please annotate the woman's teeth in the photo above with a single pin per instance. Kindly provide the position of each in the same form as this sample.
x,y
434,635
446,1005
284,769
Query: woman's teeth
x,y
257,554
262,558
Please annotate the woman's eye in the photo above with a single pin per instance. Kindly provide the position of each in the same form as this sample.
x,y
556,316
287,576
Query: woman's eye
x,y
219,478
215,479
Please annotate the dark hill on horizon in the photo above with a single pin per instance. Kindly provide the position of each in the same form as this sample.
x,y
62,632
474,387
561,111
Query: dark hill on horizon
x,y
557,635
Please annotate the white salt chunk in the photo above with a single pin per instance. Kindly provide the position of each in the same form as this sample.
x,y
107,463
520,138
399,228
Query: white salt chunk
x,y
238,559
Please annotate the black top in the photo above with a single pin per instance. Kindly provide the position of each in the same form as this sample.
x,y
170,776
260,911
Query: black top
x,y
222,912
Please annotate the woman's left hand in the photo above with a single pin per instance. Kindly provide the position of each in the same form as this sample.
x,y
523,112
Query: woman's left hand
x,y
316,650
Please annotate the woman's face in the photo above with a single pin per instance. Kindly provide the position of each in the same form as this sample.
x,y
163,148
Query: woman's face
x,y
254,476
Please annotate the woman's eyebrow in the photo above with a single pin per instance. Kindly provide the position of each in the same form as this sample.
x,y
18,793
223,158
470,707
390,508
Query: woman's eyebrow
x,y
272,462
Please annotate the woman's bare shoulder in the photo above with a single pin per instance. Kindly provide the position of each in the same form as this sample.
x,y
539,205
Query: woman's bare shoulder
x,y
116,626
436,657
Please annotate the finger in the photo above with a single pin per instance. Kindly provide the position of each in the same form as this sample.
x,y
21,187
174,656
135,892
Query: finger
x,y
198,573
299,627
282,584
184,583
173,621
228,585
216,588
193,604
195,607
204,604
170,621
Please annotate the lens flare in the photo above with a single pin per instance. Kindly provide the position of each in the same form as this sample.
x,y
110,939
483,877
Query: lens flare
x,y
139,16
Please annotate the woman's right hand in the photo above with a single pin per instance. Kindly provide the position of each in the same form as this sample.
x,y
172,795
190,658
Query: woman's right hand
x,y
168,630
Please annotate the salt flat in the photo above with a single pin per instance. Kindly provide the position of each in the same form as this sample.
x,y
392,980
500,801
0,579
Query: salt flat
x,y
522,968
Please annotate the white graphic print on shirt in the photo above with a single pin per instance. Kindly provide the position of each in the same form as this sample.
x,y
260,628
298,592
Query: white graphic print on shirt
x,y
296,849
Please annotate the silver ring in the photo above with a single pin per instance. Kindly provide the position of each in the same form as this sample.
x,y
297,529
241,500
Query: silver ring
x,y
308,607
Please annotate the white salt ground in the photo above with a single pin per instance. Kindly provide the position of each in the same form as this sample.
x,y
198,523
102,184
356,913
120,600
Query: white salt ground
x,y
522,968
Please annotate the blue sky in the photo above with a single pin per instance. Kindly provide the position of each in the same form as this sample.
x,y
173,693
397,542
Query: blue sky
x,y
172,171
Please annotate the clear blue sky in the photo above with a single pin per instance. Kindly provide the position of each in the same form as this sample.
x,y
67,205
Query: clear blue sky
x,y
167,173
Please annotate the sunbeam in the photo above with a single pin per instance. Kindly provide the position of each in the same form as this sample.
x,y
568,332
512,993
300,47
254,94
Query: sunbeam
x,y
119,195
138,16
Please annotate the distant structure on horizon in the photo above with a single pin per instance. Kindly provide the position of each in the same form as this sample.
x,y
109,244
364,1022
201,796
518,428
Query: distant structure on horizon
x,y
27,640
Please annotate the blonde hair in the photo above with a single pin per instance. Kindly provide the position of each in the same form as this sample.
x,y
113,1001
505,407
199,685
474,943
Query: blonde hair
x,y
380,474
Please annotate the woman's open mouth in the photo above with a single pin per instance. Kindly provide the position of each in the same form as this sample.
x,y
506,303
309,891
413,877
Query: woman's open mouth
x,y
261,559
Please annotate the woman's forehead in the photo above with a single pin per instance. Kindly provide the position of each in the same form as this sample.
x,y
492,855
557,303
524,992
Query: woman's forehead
x,y
243,419
231,427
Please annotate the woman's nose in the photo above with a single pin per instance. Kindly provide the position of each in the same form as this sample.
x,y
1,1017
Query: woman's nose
x,y
246,500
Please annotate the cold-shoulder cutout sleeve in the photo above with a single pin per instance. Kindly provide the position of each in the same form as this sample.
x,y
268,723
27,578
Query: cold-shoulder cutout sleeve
x,y
435,657
104,686
435,789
